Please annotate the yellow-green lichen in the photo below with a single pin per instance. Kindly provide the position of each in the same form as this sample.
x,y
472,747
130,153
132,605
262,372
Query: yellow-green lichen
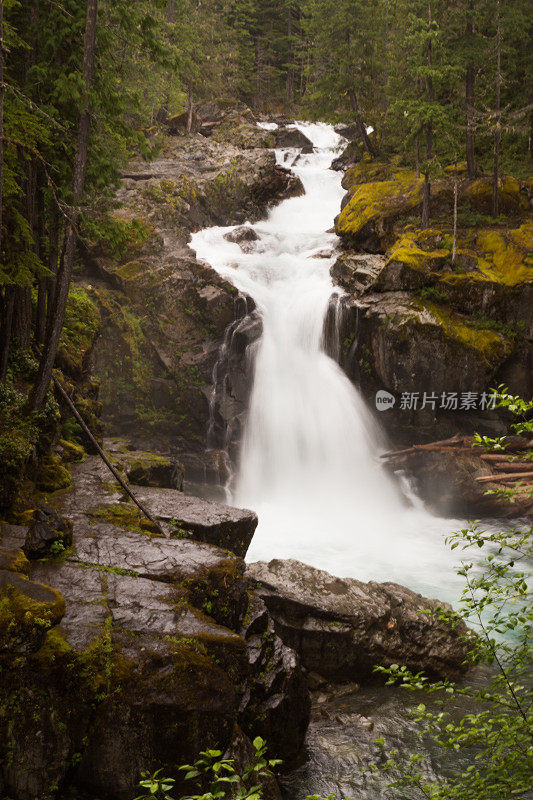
x,y
504,258
408,251
491,345
373,202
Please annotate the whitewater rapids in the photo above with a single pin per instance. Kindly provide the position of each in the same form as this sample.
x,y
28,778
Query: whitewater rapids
x,y
309,464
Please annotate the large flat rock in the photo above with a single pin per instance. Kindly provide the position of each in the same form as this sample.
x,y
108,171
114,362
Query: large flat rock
x,y
343,628
203,520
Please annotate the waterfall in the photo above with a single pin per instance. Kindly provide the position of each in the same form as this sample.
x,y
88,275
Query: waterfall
x,y
309,463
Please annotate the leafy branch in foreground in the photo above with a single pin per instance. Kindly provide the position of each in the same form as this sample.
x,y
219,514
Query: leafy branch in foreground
x,y
497,733
216,777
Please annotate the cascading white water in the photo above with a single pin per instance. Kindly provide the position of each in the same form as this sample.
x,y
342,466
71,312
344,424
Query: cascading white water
x,y
309,464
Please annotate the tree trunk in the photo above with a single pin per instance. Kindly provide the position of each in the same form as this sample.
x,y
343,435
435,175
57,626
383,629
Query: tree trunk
x,y
1,120
7,322
497,129
190,108
469,101
417,155
361,127
426,204
455,199
289,86
21,323
57,311
426,201
40,314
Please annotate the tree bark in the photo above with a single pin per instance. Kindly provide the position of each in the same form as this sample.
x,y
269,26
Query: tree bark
x,y
7,322
1,120
470,79
497,129
289,85
64,273
190,108
21,323
426,203
455,199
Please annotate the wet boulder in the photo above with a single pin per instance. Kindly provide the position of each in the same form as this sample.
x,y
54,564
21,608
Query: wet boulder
x,y
151,469
29,610
244,236
201,520
275,702
48,532
292,137
343,628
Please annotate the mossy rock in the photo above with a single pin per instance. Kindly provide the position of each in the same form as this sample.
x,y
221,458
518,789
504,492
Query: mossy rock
x,y
415,344
52,476
507,256
389,193
71,451
14,561
125,516
410,265
27,611
148,469
80,329
512,196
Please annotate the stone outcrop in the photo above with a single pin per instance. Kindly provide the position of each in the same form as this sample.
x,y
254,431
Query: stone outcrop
x,y
417,319
163,314
276,701
132,648
292,137
342,628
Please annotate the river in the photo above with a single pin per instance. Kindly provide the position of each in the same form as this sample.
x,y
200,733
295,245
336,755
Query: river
x,y
309,463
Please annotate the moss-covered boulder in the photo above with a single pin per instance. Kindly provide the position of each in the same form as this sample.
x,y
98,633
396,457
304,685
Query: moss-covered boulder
x,y
512,195
14,561
419,345
379,195
151,469
48,533
52,475
79,332
27,611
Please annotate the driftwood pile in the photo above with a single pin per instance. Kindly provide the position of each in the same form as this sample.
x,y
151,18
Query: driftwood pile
x,y
512,464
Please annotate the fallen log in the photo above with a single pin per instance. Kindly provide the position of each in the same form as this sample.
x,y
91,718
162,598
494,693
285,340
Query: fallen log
x,y
516,466
444,443
505,477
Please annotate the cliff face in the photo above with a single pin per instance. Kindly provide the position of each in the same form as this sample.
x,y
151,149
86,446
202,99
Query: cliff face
x,y
164,314
417,320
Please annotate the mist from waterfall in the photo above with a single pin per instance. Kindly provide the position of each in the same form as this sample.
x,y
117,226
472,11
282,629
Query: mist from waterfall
x,y
309,464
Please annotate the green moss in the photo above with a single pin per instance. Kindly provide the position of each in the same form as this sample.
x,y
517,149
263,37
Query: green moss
x,y
478,195
14,561
117,236
408,251
124,516
505,257
71,451
82,323
373,201
488,343
27,611
52,476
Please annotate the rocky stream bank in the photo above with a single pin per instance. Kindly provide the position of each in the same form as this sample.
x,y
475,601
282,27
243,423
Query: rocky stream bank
x,y
126,646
